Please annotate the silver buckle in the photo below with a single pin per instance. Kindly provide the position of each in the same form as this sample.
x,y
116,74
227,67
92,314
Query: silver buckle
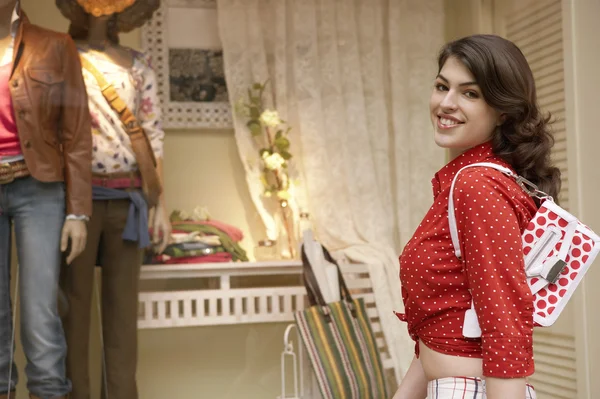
x,y
554,273
531,188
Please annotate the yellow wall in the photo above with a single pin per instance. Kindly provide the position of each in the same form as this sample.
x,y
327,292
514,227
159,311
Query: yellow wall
x,y
201,168
583,86
467,17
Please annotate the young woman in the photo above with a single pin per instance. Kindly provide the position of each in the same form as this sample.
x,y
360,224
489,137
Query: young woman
x,y
483,109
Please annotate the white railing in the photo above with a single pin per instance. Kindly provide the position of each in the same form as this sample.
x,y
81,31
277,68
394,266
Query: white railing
x,y
221,302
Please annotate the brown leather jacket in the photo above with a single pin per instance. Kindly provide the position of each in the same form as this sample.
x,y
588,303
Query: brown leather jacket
x,y
51,111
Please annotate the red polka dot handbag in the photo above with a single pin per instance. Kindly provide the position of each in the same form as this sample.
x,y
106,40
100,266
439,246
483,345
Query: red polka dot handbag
x,y
558,251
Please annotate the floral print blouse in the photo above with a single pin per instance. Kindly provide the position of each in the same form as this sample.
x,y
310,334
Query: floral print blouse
x,y
112,152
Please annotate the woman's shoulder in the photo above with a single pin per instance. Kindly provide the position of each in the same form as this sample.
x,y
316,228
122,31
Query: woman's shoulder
x,y
479,176
488,185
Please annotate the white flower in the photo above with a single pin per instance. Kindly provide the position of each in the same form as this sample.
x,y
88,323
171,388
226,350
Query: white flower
x,y
270,118
273,161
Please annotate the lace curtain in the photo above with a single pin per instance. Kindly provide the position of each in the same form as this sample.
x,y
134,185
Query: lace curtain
x,y
353,79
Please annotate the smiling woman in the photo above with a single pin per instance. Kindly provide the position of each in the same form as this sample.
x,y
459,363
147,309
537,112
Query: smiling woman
x,y
461,117
484,109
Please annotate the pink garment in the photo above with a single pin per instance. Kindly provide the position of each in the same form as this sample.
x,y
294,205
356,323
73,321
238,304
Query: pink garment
x,y
236,234
9,136
218,257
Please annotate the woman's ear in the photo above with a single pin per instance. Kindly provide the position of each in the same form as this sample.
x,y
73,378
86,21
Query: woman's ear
x,y
501,119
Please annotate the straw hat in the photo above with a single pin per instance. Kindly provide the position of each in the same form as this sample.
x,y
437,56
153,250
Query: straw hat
x,y
130,14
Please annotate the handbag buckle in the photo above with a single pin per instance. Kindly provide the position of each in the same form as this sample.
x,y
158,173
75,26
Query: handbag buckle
x,y
531,189
554,272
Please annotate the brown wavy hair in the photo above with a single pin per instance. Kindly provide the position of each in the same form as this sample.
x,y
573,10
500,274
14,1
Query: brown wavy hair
x,y
524,140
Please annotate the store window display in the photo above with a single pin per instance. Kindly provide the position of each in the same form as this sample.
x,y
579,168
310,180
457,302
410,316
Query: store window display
x,y
45,192
127,180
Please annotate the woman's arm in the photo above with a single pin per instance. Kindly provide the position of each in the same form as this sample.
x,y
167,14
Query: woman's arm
x,y
505,388
414,383
489,217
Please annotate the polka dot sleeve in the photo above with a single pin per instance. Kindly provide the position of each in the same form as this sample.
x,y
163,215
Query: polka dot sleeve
x,y
491,217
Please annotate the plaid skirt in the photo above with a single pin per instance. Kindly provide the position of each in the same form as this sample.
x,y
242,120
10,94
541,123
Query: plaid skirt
x,y
463,388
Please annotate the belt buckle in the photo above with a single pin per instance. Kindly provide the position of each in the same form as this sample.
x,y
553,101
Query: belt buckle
x,y
6,173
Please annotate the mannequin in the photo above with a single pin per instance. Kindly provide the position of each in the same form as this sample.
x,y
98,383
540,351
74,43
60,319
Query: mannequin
x,y
44,124
117,190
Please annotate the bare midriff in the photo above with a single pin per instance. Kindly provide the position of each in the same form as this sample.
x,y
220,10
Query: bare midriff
x,y
438,365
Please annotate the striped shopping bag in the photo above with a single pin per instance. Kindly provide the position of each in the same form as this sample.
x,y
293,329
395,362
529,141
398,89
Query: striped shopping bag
x,y
340,342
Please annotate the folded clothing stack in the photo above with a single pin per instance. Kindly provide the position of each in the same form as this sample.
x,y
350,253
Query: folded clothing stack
x,y
201,241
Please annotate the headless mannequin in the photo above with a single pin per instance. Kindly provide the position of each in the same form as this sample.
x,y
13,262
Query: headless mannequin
x,y
121,258
44,206
73,230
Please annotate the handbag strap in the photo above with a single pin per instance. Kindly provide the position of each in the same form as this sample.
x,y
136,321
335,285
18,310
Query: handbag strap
x,y
525,184
451,214
131,124
315,296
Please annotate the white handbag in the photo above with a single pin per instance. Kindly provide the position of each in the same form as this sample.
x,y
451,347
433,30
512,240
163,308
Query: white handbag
x,y
558,251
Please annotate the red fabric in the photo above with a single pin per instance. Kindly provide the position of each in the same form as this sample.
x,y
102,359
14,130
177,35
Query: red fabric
x,y
117,183
491,211
9,137
218,257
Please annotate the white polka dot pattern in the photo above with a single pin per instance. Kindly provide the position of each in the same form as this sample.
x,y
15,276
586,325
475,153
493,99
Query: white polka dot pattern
x,y
492,211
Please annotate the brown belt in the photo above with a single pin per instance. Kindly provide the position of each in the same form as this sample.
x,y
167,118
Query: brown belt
x,y
9,171
117,180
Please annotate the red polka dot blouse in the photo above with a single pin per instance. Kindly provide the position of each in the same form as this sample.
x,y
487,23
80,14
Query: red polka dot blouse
x,y
492,212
